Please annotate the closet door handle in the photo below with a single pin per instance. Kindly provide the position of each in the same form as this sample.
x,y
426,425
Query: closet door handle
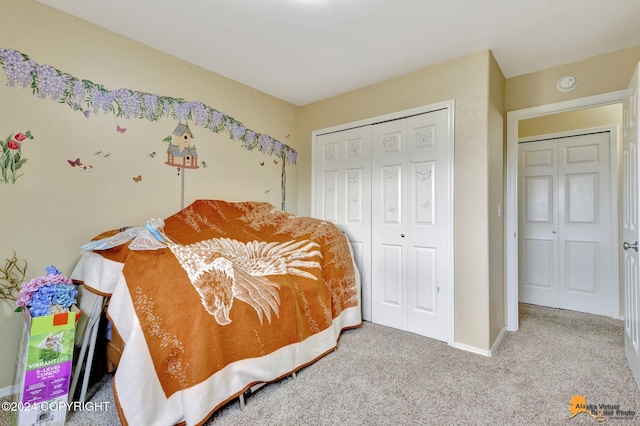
x,y
554,232
627,246
402,235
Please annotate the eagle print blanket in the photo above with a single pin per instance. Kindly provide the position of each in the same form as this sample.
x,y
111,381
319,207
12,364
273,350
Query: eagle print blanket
x,y
238,281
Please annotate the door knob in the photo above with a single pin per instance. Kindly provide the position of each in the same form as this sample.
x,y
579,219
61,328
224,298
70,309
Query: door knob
x,y
402,235
627,246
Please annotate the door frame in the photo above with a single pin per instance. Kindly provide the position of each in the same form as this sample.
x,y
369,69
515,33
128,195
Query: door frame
x,y
511,187
449,105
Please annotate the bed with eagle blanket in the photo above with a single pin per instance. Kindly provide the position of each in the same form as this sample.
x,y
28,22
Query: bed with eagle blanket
x,y
243,294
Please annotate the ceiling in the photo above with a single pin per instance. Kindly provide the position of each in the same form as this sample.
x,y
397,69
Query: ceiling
x,y
302,51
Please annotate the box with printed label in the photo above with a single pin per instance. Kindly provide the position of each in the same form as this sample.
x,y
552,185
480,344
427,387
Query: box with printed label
x,y
43,369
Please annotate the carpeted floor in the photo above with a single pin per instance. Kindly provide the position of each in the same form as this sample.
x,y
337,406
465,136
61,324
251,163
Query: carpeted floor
x,y
383,376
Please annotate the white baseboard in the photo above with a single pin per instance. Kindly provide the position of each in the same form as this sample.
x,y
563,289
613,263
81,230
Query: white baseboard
x,y
8,391
496,344
483,352
472,349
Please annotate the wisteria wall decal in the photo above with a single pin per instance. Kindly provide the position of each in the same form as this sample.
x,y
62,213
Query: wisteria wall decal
x,y
85,96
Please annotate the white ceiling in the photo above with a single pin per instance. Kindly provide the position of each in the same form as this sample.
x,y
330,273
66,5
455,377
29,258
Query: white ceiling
x,y
302,51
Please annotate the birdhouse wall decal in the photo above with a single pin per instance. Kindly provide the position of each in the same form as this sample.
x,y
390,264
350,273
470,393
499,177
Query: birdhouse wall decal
x,y
181,151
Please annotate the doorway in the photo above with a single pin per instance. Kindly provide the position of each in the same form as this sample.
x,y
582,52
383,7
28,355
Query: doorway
x,y
566,221
514,118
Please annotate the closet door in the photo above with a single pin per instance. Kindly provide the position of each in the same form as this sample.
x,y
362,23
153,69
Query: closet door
x,y
410,213
538,222
343,194
565,224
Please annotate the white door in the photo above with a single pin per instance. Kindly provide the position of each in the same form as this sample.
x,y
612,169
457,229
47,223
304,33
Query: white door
x,y
565,224
630,179
343,194
410,222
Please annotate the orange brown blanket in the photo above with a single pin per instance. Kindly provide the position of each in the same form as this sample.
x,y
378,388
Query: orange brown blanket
x,y
243,280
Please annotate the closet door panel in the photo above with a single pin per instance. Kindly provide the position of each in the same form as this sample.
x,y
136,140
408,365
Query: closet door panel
x,y
585,218
538,218
343,195
389,286
427,220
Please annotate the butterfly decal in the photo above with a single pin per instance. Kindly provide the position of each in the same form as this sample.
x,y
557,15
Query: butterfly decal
x,y
262,163
152,154
355,178
267,191
423,176
120,129
424,138
204,164
392,209
331,188
98,153
74,163
287,136
275,162
137,179
86,113
84,168
107,155
426,204
390,175
390,142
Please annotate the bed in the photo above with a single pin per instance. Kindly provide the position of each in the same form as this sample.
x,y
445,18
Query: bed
x,y
242,293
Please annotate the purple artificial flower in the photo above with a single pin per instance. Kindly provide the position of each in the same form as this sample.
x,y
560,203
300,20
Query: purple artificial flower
x,y
39,294
52,270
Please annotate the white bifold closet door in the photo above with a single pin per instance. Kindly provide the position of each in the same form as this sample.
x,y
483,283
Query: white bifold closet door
x,y
564,216
409,217
388,187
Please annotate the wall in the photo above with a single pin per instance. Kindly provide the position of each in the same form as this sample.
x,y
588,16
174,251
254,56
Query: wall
x,y
466,80
497,147
54,208
597,75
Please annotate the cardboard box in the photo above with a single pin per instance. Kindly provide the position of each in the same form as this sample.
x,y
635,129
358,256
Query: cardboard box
x,y
44,368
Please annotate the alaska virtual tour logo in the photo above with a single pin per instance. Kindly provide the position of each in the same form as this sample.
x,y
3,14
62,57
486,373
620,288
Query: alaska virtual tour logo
x,y
599,412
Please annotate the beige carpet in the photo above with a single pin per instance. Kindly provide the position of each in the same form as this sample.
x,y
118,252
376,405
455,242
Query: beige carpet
x,y
383,376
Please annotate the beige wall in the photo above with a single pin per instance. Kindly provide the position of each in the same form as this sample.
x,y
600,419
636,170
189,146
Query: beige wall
x,y
571,120
496,146
465,80
601,74
53,208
